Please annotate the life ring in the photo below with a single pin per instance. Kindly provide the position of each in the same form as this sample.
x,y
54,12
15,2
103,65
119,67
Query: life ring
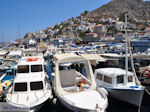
x,y
29,59
32,59
145,73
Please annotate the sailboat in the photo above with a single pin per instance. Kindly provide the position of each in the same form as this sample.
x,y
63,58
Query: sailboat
x,y
121,84
75,86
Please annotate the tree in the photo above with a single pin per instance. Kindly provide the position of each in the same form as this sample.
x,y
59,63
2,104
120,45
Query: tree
x,y
82,34
88,31
112,30
85,13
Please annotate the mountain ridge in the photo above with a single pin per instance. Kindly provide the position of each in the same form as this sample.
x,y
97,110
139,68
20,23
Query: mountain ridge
x,y
135,9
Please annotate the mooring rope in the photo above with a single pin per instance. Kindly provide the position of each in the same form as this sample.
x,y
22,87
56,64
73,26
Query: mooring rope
x,y
147,92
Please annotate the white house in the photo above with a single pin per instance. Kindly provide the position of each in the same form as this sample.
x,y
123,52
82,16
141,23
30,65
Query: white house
x,y
120,25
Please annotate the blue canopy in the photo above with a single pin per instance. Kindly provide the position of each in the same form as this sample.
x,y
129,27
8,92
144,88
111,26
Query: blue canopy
x,y
8,77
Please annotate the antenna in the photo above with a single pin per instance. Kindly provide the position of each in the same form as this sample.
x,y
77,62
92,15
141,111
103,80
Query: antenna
x,y
2,37
19,32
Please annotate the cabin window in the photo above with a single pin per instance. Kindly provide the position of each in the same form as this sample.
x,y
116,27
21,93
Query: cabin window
x,y
120,79
130,79
36,68
107,79
36,85
99,76
23,69
20,87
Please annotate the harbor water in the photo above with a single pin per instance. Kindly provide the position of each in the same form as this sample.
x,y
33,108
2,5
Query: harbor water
x,y
114,106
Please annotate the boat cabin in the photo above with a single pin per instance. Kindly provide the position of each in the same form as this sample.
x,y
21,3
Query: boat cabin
x,y
24,84
30,65
114,77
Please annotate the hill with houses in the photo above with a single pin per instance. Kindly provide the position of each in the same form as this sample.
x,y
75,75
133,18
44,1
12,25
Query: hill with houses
x,y
104,23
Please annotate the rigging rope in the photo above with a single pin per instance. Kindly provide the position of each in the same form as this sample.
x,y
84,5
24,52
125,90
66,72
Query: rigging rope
x,y
147,92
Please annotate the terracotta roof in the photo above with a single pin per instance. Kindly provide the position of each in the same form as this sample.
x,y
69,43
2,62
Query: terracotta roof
x,y
99,25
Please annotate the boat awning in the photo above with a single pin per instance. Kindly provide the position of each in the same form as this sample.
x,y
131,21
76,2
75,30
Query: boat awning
x,y
3,52
141,56
113,71
111,55
15,53
93,57
67,57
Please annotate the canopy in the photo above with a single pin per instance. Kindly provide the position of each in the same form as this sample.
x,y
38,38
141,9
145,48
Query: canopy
x,y
67,57
14,53
3,52
111,55
93,57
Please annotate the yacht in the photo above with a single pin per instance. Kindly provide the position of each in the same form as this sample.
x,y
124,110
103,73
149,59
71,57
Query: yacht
x,y
31,87
141,44
75,86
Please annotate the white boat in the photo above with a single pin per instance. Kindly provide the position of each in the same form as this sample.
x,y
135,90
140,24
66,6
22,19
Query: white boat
x,y
122,84
31,87
75,86
119,85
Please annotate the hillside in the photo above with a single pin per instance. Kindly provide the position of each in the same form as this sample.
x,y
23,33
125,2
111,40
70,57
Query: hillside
x,y
136,9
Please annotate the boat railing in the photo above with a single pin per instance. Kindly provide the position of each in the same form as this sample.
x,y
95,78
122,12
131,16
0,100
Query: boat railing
x,y
35,93
102,92
17,99
38,98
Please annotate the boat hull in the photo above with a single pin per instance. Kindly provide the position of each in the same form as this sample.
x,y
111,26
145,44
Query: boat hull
x,y
133,97
25,109
74,108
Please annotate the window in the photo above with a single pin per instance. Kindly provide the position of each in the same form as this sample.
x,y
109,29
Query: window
x,y
36,68
36,85
20,87
107,79
120,79
130,79
23,69
99,76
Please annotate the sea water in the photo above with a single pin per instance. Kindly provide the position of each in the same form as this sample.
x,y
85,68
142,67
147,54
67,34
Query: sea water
x,y
114,106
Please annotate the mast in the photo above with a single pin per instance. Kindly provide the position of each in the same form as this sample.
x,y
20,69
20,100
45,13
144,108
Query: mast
x,y
2,38
128,47
19,32
126,58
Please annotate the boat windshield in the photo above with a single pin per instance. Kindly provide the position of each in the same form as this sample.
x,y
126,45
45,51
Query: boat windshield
x,y
130,79
76,75
36,85
20,87
23,69
36,68
107,79
120,79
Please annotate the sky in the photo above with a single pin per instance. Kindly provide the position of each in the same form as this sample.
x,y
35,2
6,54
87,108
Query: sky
x,y
35,15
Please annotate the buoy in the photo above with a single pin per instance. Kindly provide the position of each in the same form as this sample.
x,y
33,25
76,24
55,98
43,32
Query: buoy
x,y
54,100
82,82
29,59
32,59
146,73
51,96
